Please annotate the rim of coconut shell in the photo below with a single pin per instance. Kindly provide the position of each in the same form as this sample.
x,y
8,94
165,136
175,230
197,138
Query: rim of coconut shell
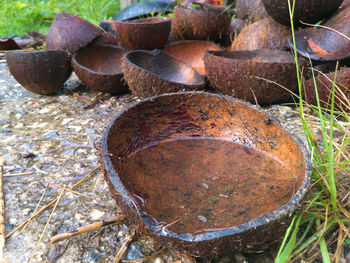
x,y
178,42
157,52
146,21
266,218
267,51
74,60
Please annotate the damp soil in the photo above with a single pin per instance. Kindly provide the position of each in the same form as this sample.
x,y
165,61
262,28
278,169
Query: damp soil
x,y
55,138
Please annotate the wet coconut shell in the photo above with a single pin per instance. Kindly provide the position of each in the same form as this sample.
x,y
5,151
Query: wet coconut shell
x,y
308,11
197,24
41,72
323,44
70,33
324,87
100,69
148,33
236,74
191,52
185,115
152,73
263,34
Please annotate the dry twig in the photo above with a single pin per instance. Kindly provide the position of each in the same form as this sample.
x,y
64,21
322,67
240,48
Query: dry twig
x,y
124,247
86,196
45,227
50,204
80,230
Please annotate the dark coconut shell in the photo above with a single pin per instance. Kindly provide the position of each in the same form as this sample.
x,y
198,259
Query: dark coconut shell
x,y
308,11
250,10
152,73
323,44
41,72
8,44
241,74
148,33
100,68
70,33
176,190
263,34
324,87
198,24
191,52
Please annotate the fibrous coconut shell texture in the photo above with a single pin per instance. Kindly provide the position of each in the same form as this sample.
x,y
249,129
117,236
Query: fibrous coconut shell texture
x,y
41,72
151,73
257,76
263,34
69,33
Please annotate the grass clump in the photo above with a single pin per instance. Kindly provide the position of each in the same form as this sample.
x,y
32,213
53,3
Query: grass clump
x,y
321,229
21,16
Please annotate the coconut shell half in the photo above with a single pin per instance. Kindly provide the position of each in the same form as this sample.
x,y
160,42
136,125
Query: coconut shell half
x,y
326,44
100,69
148,33
263,34
41,72
226,172
151,73
192,24
308,11
257,76
191,52
70,33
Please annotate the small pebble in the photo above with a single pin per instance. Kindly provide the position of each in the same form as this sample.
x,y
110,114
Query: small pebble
x,y
52,135
202,218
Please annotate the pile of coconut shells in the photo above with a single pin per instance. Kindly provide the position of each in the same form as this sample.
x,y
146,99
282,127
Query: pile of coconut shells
x,y
199,46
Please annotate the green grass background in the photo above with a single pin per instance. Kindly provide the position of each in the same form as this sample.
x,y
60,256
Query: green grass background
x,y
19,17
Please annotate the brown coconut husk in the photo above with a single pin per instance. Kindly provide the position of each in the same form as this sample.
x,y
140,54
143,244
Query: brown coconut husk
x,y
149,33
99,68
41,72
197,24
149,74
257,76
308,11
69,33
263,34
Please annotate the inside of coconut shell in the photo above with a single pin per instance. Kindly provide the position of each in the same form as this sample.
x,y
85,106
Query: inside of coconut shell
x,y
188,159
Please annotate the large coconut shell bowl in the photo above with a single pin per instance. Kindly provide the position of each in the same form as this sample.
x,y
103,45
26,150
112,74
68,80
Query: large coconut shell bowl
x,y
209,174
147,33
308,11
100,68
41,72
257,76
151,73
191,52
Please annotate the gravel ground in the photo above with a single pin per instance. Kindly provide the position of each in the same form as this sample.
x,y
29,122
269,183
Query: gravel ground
x,y
55,138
